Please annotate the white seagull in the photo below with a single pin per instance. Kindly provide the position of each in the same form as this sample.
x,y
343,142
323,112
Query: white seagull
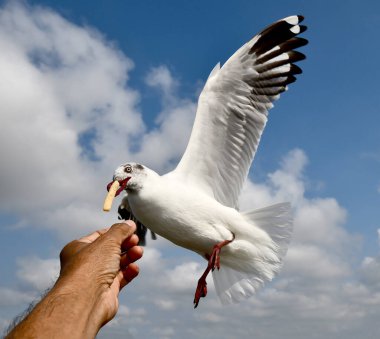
x,y
196,205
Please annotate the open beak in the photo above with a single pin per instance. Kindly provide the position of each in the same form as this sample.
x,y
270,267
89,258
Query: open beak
x,y
114,188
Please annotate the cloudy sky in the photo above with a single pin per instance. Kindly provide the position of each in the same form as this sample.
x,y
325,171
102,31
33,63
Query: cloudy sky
x,y
87,85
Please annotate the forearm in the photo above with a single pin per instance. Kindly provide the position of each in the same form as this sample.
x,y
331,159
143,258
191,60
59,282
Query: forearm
x,y
65,312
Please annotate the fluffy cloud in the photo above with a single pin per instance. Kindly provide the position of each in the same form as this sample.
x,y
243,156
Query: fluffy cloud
x,y
370,270
34,277
69,118
161,78
11,297
162,146
37,273
48,105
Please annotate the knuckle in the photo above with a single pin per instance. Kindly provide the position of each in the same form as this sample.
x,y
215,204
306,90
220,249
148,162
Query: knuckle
x,y
67,251
137,270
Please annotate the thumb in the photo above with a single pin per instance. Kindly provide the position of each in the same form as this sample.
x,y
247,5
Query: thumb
x,y
121,231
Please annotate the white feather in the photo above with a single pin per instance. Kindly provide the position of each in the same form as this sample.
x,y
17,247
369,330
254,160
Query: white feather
x,y
233,286
229,122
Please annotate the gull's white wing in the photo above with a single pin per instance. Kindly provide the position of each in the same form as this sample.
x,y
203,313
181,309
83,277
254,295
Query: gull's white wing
x,y
233,108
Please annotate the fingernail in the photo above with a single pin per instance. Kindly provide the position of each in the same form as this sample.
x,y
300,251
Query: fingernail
x,y
129,223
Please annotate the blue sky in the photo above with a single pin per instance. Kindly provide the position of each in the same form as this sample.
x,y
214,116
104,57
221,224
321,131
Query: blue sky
x,y
126,74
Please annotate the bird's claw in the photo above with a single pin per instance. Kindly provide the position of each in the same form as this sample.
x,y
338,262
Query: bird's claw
x,y
213,262
200,292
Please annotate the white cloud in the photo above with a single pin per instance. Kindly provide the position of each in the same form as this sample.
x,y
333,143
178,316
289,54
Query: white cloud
x,y
315,263
37,273
76,122
161,78
3,324
34,276
12,297
320,222
285,184
182,277
165,304
370,272
162,147
69,118
121,317
164,332
59,82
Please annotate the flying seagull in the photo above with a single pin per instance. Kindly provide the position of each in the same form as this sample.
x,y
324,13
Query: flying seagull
x,y
196,205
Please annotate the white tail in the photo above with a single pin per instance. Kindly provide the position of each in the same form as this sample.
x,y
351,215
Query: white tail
x,y
233,286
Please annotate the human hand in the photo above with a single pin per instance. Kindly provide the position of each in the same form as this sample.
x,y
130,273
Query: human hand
x,y
100,265
85,297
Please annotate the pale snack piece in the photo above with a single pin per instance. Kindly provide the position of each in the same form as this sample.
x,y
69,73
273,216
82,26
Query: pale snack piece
x,y
110,196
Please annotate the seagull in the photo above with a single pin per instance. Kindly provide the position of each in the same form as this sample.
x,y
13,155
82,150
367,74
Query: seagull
x,y
195,206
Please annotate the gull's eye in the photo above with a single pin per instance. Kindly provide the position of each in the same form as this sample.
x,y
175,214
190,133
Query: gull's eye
x,y
128,169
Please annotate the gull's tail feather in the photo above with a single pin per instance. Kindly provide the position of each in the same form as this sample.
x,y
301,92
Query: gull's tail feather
x,y
231,285
277,221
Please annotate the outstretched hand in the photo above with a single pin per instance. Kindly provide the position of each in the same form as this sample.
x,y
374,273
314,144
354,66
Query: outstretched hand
x,y
85,297
105,259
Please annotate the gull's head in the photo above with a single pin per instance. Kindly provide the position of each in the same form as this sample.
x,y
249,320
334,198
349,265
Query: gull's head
x,y
129,177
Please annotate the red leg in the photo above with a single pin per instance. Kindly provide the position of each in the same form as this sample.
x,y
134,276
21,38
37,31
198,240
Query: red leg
x,y
213,262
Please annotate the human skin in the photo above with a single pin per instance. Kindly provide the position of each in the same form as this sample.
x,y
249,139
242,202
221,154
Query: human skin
x,y
85,296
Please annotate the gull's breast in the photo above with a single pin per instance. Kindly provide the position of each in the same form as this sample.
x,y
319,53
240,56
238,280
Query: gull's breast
x,y
182,215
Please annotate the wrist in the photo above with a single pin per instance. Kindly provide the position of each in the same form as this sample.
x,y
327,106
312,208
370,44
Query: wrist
x,y
94,283
74,306
65,312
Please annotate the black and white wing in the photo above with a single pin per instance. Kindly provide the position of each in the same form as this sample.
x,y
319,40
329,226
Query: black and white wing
x,y
233,109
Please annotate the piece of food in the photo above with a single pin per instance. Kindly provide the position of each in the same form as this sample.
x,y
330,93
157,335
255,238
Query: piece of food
x,y
110,196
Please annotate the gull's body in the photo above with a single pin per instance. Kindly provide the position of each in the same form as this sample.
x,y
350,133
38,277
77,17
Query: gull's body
x,y
191,223
195,206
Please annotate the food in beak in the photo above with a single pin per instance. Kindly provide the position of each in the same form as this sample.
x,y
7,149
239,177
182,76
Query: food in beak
x,y
110,196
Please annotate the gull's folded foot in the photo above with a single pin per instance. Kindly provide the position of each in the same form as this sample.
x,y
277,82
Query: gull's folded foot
x,y
213,262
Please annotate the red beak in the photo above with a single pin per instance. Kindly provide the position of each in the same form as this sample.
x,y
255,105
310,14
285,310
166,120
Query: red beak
x,y
123,185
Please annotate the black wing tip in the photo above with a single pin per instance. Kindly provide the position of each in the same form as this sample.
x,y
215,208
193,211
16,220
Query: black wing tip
x,y
295,56
291,78
277,34
290,19
294,69
303,28
301,41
